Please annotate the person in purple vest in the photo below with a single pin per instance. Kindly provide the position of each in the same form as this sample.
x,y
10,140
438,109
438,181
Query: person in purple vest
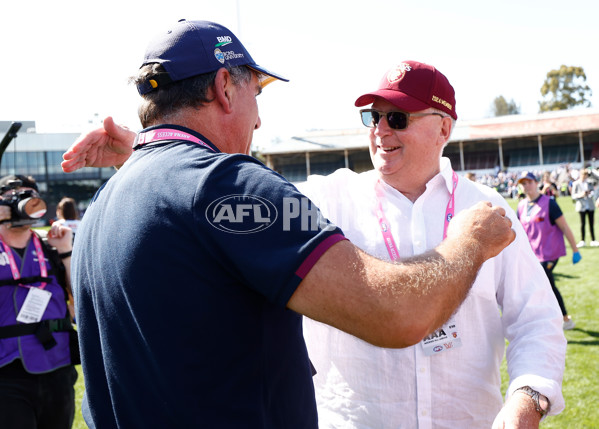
x,y
546,226
37,375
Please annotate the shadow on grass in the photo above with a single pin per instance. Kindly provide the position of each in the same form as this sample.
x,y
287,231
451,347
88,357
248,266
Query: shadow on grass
x,y
586,342
564,276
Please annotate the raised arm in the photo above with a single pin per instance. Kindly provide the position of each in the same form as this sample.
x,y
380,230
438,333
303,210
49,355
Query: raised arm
x,y
396,305
109,146
61,237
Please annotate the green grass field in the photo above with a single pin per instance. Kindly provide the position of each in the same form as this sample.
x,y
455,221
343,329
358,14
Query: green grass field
x,y
578,286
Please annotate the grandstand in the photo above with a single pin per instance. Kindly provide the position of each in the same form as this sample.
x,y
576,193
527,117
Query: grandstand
x,y
506,143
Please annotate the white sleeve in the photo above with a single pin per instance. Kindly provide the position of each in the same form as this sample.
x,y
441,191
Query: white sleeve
x,y
532,322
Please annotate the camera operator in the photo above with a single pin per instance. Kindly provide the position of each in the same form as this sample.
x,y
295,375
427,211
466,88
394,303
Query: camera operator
x,y
36,335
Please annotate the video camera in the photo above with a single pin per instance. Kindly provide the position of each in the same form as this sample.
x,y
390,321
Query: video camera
x,y
26,206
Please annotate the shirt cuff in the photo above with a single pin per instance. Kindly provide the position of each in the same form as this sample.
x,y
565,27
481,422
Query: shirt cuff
x,y
550,388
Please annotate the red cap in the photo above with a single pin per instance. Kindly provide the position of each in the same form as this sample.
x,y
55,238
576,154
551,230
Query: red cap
x,y
414,86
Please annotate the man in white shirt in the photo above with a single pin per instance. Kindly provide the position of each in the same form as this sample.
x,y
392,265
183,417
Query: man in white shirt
x,y
452,378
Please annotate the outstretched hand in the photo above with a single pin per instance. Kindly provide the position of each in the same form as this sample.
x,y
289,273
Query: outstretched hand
x,y
109,146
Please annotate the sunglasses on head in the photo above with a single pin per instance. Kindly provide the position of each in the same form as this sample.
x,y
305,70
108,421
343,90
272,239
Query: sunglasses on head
x,y
396,120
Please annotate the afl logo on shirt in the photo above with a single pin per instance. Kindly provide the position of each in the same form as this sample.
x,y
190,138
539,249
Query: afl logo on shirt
x,y
241,214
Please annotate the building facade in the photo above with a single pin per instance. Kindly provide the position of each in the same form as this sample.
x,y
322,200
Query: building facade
x,y
40,156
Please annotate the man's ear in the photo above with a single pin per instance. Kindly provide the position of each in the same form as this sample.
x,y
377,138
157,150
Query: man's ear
x,y
446,126
223,90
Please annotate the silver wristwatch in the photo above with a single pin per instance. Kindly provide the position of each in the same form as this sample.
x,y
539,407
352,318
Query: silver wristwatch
x,y
541,402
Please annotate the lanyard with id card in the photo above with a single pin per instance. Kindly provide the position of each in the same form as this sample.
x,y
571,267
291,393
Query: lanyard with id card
x,y
37,298
446,338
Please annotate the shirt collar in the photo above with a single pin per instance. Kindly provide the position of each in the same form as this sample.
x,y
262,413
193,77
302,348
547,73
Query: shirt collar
x,y
153,134
446,173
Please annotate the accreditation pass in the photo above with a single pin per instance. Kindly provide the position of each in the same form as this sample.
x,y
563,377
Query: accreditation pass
x,y
34,306
442,340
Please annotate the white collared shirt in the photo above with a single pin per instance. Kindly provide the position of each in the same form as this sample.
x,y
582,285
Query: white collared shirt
x,y
362,386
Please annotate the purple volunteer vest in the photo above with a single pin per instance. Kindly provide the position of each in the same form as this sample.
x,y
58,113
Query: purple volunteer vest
x,y
547,240
28,348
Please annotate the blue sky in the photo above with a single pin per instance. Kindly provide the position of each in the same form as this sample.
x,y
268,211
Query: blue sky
x,y
67,62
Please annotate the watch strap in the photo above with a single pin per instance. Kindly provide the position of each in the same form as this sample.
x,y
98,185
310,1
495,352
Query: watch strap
x,y
65,254
536,396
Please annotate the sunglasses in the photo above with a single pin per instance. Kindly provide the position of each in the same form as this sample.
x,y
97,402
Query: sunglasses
x,y
396,120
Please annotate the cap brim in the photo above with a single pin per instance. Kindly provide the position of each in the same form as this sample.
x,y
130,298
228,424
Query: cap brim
x,y
525,178
400,100
268,76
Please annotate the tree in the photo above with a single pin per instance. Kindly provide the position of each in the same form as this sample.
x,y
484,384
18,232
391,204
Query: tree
x,y
565,88
501,107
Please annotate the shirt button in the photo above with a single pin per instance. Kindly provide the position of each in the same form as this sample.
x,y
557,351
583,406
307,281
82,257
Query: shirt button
x,y
422,370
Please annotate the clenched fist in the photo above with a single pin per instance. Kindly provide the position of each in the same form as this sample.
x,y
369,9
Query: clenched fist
x,y
483,226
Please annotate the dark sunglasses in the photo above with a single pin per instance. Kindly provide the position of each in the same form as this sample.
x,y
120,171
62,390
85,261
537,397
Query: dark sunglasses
x,y
396,120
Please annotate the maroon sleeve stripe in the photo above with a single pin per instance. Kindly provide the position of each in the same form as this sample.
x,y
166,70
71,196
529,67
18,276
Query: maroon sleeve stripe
x,y
310,261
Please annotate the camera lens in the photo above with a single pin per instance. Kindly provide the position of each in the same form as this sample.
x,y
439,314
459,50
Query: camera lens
x,y
32,208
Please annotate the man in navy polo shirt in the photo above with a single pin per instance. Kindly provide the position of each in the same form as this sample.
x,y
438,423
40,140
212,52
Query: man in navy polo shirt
x,y
194,262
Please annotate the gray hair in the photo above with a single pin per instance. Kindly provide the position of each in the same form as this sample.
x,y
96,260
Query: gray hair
x,y
166,101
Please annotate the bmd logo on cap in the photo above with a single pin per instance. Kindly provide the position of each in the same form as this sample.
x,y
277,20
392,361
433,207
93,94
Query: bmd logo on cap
x,y
223,40
241,214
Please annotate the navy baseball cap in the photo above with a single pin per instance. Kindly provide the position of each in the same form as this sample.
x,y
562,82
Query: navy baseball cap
x,y
191,48
527,175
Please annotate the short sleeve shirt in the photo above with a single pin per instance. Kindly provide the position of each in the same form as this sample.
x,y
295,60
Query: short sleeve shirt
x,y
182,268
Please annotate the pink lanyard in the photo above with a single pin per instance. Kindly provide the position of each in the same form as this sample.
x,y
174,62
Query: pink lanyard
x,y
386,227
40,258
167,134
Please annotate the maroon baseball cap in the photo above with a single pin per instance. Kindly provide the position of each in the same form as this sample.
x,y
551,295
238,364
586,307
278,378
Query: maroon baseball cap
x,y
414,86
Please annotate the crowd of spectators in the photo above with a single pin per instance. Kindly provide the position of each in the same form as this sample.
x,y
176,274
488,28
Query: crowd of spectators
x,y
559,179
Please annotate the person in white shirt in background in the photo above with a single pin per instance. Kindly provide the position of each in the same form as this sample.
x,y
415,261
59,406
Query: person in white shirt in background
x,y
583,193
399,209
